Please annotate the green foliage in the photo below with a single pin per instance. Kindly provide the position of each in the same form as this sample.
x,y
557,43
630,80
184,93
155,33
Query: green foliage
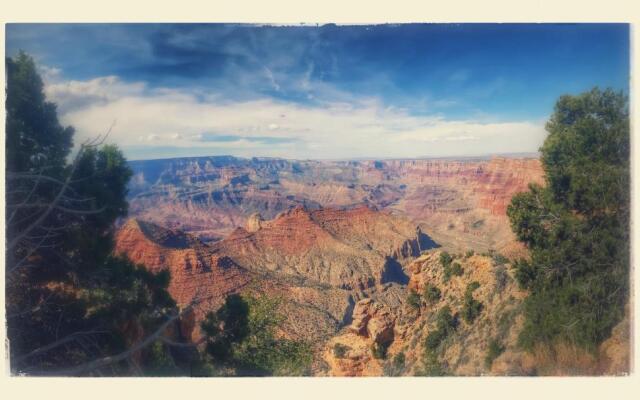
x,y
445,259
63,281
446,322
431,365
452,269
495,349
35,138
499,259
469,253
399,360
397,365
241,337
340,350
159,362
379,351
431,293
413,300
577,225
456,269
446,325
471,307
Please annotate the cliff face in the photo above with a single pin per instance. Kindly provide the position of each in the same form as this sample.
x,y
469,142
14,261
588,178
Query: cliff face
x,y
196,272
320,261
350,249
461,202
465,350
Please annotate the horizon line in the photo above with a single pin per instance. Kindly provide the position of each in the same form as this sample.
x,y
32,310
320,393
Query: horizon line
x,y
523,155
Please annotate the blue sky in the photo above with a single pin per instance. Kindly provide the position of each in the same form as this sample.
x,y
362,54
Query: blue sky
x,y
329,91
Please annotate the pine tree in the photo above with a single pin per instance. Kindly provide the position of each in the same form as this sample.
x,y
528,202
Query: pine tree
x,y
577,225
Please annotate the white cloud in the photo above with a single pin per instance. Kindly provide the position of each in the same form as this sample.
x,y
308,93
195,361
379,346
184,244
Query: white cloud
x,y
73,95
348,128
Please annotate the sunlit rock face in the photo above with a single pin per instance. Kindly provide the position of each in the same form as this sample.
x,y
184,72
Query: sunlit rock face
x,y
321,260
460,203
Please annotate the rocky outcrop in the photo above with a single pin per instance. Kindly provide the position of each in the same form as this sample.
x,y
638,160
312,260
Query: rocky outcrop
x,y
352,249
374,321
254,223
465,350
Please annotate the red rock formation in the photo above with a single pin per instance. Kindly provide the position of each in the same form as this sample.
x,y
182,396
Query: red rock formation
x,y
351,249
196,272
211,196
346,249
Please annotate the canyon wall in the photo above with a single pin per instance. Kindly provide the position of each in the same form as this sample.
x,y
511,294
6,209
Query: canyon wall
x,y
461,203
320,261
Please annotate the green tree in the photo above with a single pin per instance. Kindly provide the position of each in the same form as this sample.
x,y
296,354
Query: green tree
x,y
577,225
242,339
70,302
471,308
431,293
413,300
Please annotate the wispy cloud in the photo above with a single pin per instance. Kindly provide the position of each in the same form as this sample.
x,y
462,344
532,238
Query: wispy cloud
x,y
355,127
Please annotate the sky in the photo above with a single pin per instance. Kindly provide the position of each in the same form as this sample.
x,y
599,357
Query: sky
x,y
319,91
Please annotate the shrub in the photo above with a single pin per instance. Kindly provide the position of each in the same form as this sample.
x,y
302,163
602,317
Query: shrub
x,y
431,293
432,366
445,259
398,361
379,351
469,253
241,336
471,307
499,259
456,269
445,321
413,300
495,349
396,366
340,350
433,339
446,324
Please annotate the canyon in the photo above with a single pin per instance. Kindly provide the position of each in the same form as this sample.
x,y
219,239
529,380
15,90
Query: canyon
x,y
345,244
461,203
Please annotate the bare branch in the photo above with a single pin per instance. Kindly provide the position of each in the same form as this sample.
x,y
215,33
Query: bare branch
x,y
51,206
105,361
55,344
102,362
81,212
